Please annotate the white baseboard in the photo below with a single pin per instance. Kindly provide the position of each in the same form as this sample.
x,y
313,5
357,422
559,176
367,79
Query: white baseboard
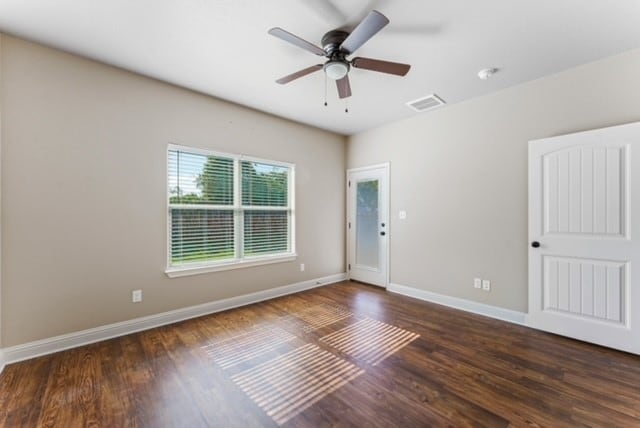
x,y
462,304
1,360
66,341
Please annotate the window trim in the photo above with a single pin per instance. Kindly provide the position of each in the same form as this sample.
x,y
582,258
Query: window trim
x,y
240,260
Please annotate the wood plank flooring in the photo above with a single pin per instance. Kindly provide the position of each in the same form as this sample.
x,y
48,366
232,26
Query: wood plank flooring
x,y
341,355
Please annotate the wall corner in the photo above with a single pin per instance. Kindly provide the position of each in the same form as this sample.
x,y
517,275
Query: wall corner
x,y
1,149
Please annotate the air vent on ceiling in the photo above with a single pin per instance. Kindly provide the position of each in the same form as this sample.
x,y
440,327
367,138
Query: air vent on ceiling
x,y
426,103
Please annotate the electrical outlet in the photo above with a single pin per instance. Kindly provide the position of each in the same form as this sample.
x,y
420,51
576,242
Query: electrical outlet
x,y
402,215
486,285
477,283
136,296
301,267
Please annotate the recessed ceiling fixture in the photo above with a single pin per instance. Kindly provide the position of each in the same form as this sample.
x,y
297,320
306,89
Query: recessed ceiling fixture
x,y
486,73
426,103
337,45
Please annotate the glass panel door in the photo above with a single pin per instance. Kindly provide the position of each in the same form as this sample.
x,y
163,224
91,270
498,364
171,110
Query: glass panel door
x,y
367,201
368,224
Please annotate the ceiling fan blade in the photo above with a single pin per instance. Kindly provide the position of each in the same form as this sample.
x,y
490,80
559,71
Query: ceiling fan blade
x,y
298,74
381,66
295,40
365,30
344,88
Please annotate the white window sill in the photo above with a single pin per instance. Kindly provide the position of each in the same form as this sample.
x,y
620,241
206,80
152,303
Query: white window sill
x,y
196,269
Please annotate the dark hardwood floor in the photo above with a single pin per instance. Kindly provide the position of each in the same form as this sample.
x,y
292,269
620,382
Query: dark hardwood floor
x,y
341,355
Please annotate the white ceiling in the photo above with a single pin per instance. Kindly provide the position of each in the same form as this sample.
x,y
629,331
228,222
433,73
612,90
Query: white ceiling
x,y
221,47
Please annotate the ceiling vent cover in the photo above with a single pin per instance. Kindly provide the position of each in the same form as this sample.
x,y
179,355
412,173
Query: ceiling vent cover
x,y
426,103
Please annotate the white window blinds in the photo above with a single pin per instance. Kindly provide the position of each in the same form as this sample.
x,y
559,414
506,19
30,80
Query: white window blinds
x,y
226,209
265,205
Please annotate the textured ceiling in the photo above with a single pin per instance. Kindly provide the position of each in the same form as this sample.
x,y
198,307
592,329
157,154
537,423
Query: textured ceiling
x,y
222,47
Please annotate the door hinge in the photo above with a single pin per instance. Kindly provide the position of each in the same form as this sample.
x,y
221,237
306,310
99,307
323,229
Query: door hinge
x,y
349,266
349,225
349,183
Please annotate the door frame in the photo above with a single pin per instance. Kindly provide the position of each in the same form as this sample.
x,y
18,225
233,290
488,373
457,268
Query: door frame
x,y
387,167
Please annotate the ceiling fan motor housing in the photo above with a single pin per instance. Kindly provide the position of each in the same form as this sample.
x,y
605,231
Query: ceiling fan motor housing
x,y
332,40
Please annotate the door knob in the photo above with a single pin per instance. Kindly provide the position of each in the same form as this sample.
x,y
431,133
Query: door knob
x,y
535,244
382,233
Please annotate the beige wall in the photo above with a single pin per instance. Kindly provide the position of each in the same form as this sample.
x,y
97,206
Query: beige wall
x,y
83,192
461,175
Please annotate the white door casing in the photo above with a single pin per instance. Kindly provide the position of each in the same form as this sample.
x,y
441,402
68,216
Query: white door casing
x,y
368,224
584,213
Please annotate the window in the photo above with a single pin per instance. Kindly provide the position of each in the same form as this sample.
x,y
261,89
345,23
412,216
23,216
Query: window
x,y
227,211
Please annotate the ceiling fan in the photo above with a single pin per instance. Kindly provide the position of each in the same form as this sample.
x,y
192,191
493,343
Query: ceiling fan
x,y
337,45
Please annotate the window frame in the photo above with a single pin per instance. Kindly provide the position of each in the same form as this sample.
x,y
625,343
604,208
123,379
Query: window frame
x,y
239,260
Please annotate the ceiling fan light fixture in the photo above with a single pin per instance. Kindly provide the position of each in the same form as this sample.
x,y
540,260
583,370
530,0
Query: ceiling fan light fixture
x,y
336,70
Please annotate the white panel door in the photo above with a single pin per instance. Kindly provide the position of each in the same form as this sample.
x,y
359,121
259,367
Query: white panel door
x,y
584,222
367,224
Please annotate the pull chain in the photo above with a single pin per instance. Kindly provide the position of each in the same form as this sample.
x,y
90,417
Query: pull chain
x,y
325,89
346,105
